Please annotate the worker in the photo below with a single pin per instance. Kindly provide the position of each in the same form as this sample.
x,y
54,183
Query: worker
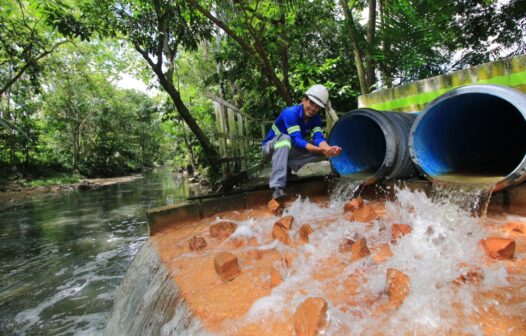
x,y
285,143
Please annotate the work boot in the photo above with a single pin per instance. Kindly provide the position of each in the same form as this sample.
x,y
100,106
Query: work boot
x,y
278,193
291,175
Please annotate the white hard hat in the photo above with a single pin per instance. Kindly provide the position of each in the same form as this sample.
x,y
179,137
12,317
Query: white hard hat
x,y
318,94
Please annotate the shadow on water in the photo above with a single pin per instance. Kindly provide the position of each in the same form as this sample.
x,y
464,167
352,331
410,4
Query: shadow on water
x,y
63,255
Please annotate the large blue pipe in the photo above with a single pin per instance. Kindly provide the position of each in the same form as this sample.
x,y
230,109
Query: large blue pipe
x,y
473,134
374,145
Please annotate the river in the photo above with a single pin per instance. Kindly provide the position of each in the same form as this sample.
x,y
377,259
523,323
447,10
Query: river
x,y
63,255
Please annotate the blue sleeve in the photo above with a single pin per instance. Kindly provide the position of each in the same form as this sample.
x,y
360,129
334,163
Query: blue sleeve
x,y
293,129
317,132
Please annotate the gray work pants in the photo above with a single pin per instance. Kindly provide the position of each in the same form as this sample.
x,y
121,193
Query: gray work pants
x,y
283,154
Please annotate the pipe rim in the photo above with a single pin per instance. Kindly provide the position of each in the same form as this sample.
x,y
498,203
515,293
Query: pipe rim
x,y
503,92
390,144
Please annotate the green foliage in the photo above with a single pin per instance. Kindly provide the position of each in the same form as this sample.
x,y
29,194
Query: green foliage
x,y
60,60
98,129
191,69
24,40
55,180
81,122
316,54
432,37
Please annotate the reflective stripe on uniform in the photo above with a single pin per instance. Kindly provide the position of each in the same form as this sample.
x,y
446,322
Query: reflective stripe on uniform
x,y
276,130
282,143
293,129
316,129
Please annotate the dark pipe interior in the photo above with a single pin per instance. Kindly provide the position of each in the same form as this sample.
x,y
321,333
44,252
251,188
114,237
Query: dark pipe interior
x,y
363,144
476,134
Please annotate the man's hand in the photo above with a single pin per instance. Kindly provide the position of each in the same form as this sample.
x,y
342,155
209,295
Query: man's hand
x,y
331,151
325,149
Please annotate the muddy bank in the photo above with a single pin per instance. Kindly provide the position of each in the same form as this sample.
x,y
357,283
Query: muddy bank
x,y
17,192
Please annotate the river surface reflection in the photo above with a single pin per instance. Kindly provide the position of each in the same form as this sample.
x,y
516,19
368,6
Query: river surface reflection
x,y
63,255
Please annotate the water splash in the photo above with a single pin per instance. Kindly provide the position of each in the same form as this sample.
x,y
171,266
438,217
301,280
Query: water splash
x,y
444,242
443,246
345,190
473,198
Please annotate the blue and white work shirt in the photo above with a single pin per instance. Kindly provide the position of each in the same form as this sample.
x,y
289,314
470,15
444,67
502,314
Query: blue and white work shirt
x,y
291,122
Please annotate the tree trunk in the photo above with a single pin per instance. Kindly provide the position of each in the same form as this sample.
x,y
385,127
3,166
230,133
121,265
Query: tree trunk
x,y
76,148
371,30
12,133
187,117
387,69
284,55
353,36
189,146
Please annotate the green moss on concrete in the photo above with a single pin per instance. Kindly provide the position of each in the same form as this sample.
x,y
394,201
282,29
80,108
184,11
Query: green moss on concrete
x,y
413,97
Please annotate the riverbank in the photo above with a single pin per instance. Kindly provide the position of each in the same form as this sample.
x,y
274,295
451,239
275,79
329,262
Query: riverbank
x,y
16,191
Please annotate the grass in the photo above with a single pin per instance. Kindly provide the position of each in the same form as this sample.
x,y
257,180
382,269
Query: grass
x,y
54,180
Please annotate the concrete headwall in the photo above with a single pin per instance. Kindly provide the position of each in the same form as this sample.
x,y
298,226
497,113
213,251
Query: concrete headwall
x,y
415,96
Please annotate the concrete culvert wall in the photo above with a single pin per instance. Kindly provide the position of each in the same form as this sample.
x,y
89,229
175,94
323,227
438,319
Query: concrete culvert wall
x,y
472,134
374,145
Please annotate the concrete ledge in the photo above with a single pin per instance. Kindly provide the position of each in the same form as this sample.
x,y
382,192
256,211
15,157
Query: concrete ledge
x,y
512,200
314,187
160,218
257,198
211,206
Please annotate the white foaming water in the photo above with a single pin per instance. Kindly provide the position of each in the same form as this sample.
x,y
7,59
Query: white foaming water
x,y
474,198
344,190
443,245
443,240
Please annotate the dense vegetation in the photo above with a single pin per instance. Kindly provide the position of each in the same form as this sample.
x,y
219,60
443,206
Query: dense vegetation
x,y
62,110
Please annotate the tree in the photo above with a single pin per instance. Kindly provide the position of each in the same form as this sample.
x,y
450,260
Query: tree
x,y
422,38
314,53
251,24
94,127
157,29
24,41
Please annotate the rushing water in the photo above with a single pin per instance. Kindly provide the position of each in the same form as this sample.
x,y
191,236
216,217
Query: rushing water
x,y
473,198
443,244
344,190
63,255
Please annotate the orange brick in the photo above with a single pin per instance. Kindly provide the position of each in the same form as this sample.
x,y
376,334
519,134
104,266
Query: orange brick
x,y
227,266
399,230
397,286
222,230
280,234
305,232
365,214
275,207
354,204
310,317
499,248
359,249
197,243
382,254
285,222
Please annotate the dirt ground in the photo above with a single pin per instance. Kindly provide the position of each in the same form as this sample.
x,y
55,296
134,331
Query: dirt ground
x,y
15,195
